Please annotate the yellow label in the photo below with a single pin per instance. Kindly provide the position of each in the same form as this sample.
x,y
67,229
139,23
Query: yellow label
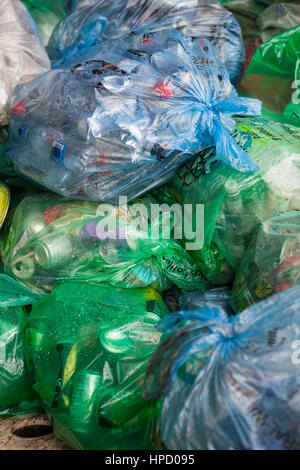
x,y
4,202
152,294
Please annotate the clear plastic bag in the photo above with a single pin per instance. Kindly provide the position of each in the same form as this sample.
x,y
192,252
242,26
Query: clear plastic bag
x,y
22,54
102,20
271,263
122,122
94,342
230,383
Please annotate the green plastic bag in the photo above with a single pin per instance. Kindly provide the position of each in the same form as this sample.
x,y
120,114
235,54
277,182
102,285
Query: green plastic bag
x,y
272,261
51,239
235,204
273,76
47,13
16,394
88,347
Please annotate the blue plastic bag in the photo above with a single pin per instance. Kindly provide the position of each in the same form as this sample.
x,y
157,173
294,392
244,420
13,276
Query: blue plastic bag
x,y
104,19
230,382
122,122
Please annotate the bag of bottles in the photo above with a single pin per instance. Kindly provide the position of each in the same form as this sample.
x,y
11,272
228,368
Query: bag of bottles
x,y
93,23
235,204
46,14
230,383
50,239
273,76
123,121
22,54
271,263
94,342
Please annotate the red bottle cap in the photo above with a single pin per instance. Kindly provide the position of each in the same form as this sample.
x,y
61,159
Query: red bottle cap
x,y
19,109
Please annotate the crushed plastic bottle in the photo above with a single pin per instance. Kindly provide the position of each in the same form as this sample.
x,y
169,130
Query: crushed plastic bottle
x,y
102,20
94,342
122,122
229,383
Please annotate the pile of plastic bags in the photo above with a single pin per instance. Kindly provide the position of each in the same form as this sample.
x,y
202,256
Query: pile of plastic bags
x,y
149,164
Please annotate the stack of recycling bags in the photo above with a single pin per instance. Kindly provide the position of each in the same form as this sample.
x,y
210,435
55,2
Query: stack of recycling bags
x,y
140,109
49,240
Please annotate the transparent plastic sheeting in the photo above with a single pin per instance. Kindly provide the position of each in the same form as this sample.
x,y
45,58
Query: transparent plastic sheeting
x,y
235,204
22,54
95,342
51,239
123,121
271,263
230,383
104,19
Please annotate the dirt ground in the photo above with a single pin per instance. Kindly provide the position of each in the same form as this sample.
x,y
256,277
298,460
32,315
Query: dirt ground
x,y
28,433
